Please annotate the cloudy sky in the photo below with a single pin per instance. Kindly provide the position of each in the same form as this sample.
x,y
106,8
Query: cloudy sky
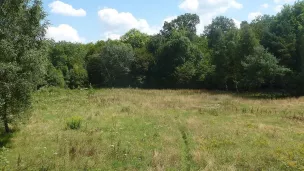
x,y
91,20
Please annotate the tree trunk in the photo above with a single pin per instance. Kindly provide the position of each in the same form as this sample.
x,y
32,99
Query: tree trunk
x,y
236,86
5,120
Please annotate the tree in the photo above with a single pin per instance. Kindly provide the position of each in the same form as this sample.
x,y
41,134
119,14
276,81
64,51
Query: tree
x,y
233,63
204,68
222,36
219,26
261,68
261,25
22,56
78,76
143,60
224,57
135,38
54,77
93,49
186,22
116,59
142,57
248,40
176,55
94,69
246,43
70,59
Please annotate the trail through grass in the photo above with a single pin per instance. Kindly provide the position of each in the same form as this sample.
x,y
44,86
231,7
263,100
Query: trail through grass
x,y
128,129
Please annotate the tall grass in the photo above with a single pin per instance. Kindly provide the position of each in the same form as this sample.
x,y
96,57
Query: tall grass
x,y
127,129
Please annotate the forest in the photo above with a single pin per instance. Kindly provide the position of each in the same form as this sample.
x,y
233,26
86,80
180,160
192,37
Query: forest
x,y
264,55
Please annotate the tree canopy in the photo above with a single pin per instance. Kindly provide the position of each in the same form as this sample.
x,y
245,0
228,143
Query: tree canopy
x,y
266,53
22,55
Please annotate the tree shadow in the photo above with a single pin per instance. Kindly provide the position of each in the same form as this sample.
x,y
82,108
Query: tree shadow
x,y
252,95
261,96
5,139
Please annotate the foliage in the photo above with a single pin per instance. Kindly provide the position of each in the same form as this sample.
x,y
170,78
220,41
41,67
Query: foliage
x,y
140,67
55,77
69,58
219,26
23,55
115,62
186,22
94,68
135,38
74,122
177,57
261,67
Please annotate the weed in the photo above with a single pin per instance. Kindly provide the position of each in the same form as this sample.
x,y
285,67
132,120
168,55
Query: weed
x,y
74,122
213,112
219,142
126,110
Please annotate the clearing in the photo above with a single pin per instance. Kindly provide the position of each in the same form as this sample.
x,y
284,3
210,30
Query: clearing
x,y
129,129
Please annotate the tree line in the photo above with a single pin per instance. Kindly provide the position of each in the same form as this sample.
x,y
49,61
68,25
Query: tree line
x,y
265,54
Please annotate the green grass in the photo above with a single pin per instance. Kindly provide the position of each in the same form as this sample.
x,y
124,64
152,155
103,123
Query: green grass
x,y
128,129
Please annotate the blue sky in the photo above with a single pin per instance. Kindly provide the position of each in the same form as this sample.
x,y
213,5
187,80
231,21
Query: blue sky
x,y
92,20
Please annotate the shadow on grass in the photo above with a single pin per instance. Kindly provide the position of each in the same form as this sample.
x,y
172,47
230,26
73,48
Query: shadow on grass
x,y
5,139
254,95
251,95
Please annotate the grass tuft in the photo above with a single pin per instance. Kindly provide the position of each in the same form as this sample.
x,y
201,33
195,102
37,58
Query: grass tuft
x,y
74,122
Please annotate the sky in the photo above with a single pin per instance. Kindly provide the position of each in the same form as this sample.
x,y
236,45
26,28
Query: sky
x,y
87,21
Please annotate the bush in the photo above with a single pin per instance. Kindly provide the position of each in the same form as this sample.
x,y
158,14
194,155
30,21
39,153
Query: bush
x,y
74,122
78,77
55,77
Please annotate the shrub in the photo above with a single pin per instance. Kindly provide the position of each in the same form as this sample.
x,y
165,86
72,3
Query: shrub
x,y
55,77
74,122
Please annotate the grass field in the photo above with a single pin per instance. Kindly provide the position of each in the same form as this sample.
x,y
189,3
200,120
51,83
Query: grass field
x,y
128,129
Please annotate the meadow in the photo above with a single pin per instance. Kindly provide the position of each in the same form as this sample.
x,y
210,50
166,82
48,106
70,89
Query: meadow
x,y
133,129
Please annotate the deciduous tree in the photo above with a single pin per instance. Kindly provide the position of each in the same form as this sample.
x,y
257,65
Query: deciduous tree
x,y
22,56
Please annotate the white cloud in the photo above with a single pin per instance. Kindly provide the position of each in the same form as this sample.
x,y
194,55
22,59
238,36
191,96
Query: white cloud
x,y
112,36
283,1
117,23
208,9
59,7
265,5
279,4
278,8
237,23
209,5
253,15
64,32
170,18
190,5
